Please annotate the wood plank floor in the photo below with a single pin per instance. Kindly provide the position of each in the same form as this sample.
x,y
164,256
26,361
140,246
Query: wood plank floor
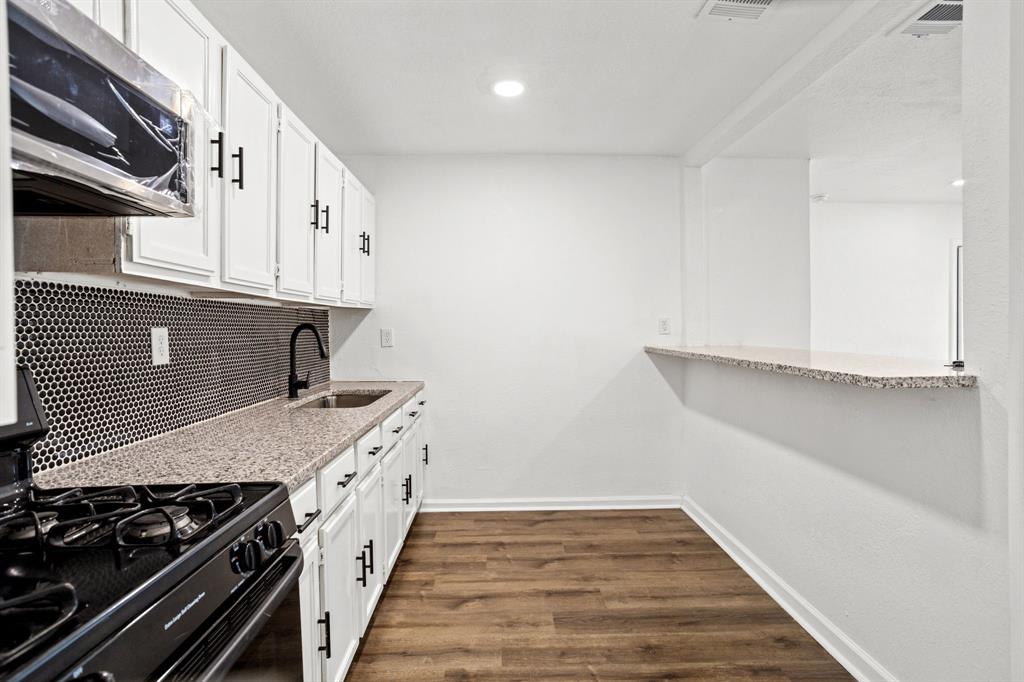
x,y
595,595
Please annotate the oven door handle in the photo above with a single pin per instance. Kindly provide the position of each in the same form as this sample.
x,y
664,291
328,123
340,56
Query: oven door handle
x,y
249,629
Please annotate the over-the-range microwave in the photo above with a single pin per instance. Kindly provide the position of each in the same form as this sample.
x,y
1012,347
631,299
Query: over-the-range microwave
x,y
95,130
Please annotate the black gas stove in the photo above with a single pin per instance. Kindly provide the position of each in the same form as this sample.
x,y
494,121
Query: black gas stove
x,y
135,582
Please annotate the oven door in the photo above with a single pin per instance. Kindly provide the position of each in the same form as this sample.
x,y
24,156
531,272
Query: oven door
x,y
259,638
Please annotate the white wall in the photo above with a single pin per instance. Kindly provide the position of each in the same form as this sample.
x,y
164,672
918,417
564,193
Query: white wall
x,y
756,217
880,278
522,289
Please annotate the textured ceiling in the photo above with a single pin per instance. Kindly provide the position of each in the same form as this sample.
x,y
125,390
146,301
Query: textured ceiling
x,y
883,125
413,76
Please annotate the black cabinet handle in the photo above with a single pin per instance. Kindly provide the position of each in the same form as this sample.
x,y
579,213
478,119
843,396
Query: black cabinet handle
x,y
219,168
426,454
362,560
363,248
240,180
367,245
327,218
315,222
309,519
348,479
326,622
398,430
423,402
370,547
408,489
413,413
375,450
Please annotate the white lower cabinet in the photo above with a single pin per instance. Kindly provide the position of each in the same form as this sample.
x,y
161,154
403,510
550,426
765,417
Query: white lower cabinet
x,y
309,610
352,539
339,625
393,467
371,545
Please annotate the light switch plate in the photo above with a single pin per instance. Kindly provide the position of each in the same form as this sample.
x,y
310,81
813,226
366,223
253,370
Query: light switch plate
x,y
664,325
387,337
161,351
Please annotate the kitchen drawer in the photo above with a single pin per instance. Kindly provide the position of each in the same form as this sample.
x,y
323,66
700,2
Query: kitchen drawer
x,y
336,480
410,412
421,402
369,449
305,509
391,429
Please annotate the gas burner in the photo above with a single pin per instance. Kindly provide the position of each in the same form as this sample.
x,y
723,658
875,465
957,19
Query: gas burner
x,y
33,605
158,526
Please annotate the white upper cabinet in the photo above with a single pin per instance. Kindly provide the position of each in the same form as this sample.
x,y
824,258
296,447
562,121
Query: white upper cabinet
x,y
8,392
249,229
176,39
368,288
107,13
298,206
352,241
330,181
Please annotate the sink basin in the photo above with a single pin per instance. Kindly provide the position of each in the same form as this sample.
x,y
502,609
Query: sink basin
x,y
345,400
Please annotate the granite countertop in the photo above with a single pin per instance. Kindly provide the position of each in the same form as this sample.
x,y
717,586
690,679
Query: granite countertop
x,y
871,371
269,441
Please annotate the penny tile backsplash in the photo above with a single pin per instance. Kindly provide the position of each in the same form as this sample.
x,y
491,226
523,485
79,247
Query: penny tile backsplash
x,y
89,349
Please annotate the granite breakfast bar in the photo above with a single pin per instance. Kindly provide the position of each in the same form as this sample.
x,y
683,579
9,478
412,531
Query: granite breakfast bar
x,y
275,440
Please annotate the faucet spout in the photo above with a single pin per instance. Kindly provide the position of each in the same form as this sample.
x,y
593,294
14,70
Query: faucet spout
x,y
294,383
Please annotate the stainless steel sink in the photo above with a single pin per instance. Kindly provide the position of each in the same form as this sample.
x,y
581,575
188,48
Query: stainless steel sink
x,y
345,400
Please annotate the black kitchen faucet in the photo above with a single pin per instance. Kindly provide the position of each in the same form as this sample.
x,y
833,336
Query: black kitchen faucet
x,y
294,382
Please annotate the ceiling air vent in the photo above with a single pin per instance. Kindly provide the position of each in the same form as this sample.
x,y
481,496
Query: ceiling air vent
x,y
936,18
736,10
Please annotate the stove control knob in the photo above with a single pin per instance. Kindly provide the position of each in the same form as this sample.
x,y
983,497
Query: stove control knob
x,y
271,535
245,557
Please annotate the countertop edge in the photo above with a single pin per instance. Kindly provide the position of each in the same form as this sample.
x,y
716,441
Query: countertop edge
x,y
910,381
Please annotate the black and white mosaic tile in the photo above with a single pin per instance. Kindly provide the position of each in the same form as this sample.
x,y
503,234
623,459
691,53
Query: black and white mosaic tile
x,y
89,350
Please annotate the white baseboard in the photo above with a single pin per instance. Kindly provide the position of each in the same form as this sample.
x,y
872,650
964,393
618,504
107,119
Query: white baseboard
x,y
552,503
850,655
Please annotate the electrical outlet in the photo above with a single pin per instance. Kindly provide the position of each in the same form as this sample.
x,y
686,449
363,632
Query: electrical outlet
x,y
387,337
664,325
161,350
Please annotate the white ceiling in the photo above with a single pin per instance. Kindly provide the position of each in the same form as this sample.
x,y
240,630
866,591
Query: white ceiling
x,y
883,125
608,77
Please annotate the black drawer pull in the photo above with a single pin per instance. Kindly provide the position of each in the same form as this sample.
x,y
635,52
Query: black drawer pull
x,y
315,222
362,560
310,516
374,450
426,454
413,414
348,479
423,402
370,547
398,430
327,218
219,168
326,622
240,180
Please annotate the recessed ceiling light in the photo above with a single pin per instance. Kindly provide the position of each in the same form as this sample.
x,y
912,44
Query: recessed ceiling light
x,y
959,182
508,88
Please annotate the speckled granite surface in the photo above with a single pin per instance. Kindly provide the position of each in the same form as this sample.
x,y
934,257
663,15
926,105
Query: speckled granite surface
x,y
270,441
871,371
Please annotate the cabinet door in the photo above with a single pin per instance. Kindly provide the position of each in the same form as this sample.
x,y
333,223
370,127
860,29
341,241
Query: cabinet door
x,y
309,610
393,469
330,181
352,241
107,13
250,114
410,456
368,290
371,536
298,213
8,393
339,537
176,39
422,458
